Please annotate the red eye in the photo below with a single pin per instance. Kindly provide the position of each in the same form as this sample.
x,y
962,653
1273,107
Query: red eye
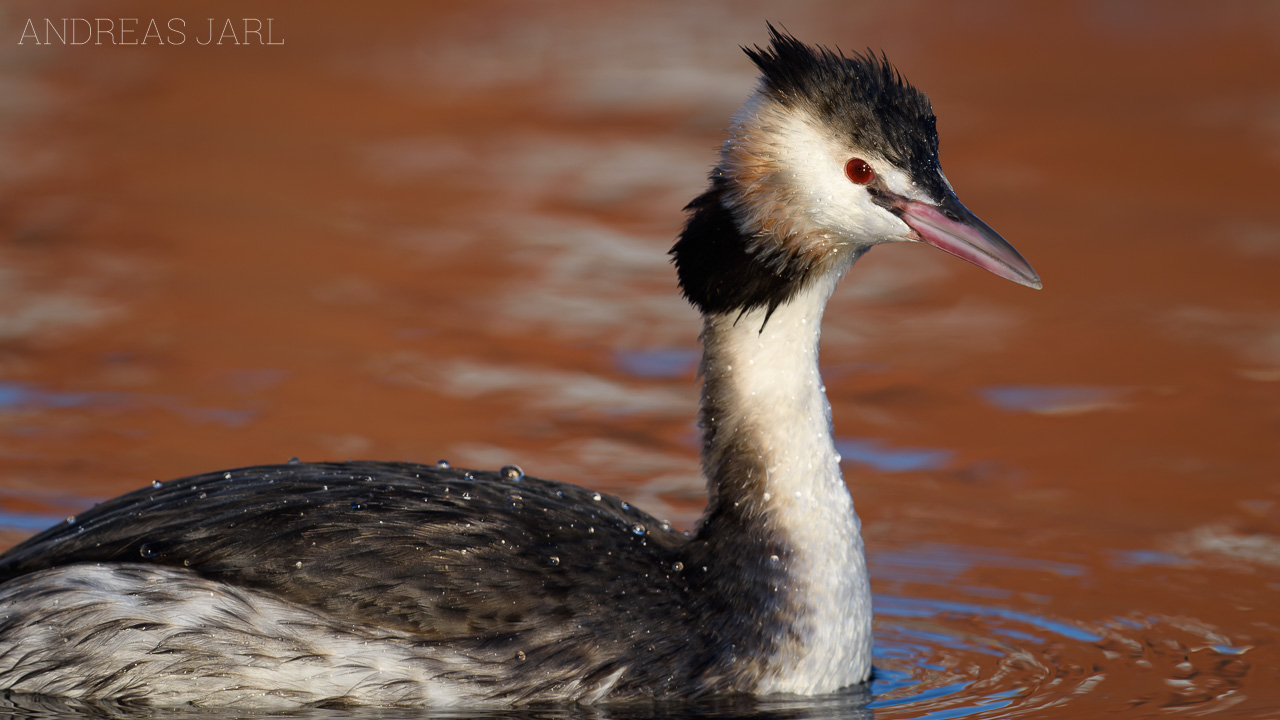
x,y
859,171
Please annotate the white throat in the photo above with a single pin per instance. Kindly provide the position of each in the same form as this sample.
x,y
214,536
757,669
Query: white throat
x,y
769,400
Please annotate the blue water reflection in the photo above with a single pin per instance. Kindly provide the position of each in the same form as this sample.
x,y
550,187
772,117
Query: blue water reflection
x,y
894,606
19,396
658,362
1053,399
22,397
28,522
873,453
938,563
1146,557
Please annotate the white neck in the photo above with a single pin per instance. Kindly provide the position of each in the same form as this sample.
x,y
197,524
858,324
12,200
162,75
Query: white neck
x,y
764,407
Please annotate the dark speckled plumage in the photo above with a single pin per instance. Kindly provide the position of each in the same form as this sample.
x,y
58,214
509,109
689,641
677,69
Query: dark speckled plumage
x,y
567,580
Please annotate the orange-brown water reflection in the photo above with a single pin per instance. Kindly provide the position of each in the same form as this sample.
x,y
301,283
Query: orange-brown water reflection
x,y
415,231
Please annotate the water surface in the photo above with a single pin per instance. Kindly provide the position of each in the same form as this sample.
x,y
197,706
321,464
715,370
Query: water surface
x,y
417,231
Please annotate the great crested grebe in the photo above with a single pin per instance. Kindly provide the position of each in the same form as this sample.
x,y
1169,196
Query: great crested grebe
x,y
310,584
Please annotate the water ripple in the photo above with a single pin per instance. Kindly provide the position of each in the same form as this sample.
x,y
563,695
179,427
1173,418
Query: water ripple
x,y
946,659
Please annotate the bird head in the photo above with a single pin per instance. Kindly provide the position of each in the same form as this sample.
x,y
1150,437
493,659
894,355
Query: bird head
x,y
830,155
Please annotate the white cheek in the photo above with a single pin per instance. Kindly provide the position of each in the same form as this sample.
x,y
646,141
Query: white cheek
x,y
841,207
815,170
804,191
880,225
837,204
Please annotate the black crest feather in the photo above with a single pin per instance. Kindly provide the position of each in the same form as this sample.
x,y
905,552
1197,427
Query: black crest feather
x,y
862,97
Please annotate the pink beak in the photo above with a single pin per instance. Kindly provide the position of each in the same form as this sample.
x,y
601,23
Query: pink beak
x,y
950,227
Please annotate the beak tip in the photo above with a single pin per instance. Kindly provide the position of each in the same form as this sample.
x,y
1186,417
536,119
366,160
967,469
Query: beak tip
x,y
960,233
